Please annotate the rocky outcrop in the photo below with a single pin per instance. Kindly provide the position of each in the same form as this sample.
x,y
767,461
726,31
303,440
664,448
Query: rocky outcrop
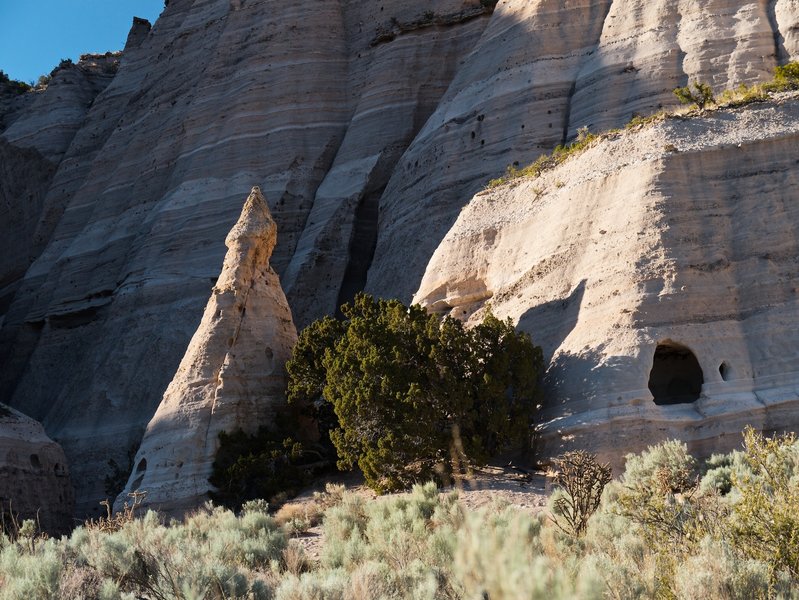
x,y
231,376
541,71
58,111
654,245
368,125
34,478
216,97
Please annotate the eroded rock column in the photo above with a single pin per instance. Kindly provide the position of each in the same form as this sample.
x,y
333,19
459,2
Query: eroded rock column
x,y
231,376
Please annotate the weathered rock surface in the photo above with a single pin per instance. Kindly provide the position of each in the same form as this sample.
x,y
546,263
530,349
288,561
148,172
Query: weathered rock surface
x,y
680,234
231,376
57,112
368,125
34,478
36,129
541,71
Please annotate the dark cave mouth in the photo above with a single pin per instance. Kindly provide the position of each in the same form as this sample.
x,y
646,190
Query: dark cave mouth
x,y
676,377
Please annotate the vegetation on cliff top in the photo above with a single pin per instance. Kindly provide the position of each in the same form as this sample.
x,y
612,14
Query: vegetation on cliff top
x,y
697,95
670,527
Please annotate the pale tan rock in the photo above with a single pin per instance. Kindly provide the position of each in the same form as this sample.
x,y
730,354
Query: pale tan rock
x,y
209,102
368,125
231,376
541,71
681,232
34,476
786,17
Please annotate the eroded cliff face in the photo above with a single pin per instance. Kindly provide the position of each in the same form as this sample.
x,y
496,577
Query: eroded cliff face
x,y
541,71
34,476
682,234
367,125
300,98
231,377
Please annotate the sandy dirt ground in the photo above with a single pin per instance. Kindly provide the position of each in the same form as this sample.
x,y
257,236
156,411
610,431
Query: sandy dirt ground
x,y
497,485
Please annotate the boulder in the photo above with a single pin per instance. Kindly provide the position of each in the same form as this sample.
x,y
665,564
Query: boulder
x,y
34,476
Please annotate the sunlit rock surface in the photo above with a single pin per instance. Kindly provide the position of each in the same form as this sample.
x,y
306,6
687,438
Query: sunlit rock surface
x,y
231,376
368,126
681,235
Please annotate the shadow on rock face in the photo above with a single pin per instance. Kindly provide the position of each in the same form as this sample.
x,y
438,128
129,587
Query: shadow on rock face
x,y
551,323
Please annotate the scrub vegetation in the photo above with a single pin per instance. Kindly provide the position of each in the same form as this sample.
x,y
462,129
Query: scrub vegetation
x,y
670,527
411,391
696,96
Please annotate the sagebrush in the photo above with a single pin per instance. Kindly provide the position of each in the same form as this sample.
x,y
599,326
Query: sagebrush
x,y
670,527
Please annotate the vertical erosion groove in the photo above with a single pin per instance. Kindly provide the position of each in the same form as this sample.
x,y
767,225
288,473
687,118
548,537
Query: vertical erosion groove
x,y
597,19
780,54
362,247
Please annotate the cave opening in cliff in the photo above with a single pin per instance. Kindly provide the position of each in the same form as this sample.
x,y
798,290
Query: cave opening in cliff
x,y
676,377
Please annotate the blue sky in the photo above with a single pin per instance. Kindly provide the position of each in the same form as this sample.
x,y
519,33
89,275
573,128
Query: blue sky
x,y
36,34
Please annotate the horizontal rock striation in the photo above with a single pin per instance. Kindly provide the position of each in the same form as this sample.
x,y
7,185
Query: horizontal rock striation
x,y
367,125
217,96
541,71
681,235
34,478
56,113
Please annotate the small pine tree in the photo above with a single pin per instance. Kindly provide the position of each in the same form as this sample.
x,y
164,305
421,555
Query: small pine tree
x,y
701,94
404,384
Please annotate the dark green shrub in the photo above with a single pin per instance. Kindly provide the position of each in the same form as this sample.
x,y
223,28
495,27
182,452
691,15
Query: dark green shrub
x,y
405,384
307,374
697,93
17,87
262,465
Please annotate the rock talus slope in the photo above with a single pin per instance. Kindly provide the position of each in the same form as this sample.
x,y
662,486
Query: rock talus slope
x,y
368,125
34,477
231,376
680,234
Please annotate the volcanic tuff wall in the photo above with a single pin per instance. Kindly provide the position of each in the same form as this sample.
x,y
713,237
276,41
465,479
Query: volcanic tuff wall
x,y
680,233
367,125
231,376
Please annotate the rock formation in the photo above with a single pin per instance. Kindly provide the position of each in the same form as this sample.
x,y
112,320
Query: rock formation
x,y
34,478
368,125
231,376
653,251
